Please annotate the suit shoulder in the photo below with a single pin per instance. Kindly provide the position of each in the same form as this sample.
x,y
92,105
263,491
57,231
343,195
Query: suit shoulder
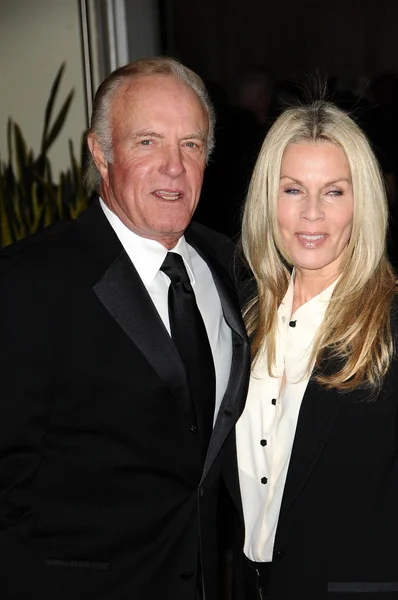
x,y
58,236
211,236
43,255
215,244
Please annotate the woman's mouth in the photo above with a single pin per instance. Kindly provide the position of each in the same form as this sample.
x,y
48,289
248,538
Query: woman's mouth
x,y
310,241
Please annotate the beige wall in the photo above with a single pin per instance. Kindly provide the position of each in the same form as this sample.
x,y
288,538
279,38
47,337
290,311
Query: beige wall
x,y
35,37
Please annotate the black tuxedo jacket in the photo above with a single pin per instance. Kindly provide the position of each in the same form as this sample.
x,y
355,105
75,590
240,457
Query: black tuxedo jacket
x,y
337,534
103,490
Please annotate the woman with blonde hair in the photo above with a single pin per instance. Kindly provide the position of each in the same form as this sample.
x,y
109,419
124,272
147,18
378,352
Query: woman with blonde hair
x,y
317,442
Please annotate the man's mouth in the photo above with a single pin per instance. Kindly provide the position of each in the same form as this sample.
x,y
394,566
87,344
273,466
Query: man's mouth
x,y
168,194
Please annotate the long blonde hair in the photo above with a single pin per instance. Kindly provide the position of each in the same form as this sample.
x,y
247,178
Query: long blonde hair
x,y
356,328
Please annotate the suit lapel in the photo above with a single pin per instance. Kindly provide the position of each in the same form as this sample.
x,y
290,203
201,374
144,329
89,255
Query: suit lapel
x,y
319,410
233,402
123,294
222,280
235,394
120,289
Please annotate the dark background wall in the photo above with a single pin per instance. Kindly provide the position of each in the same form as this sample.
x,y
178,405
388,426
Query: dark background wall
x,y
349,43
341,37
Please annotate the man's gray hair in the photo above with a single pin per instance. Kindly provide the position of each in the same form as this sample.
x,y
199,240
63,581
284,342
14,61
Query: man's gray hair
x,y
101,122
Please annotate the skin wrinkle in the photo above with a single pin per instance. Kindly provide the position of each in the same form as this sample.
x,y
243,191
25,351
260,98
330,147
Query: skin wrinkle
x,y
311,202
170,159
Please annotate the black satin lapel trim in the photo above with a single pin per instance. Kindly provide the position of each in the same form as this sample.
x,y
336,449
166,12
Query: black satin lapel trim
x,y
229,304
123,294
235,395
223,283
233,402
318,412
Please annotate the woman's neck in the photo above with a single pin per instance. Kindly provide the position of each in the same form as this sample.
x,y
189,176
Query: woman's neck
x,y
308,284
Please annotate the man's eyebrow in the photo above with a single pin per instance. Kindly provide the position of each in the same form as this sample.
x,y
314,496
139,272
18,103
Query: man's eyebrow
x,y
147,133
198,135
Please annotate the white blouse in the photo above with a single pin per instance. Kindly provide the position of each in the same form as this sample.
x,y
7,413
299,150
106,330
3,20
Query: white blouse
x,y
266,429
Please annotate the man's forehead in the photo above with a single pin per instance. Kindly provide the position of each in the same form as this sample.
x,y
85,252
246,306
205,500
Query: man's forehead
x,y
152,84
154,94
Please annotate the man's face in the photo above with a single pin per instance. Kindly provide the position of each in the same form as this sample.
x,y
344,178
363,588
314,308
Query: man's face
x,y
159,132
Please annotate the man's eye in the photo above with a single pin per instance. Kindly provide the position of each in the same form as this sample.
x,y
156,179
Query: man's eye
x,y
146,142
191,144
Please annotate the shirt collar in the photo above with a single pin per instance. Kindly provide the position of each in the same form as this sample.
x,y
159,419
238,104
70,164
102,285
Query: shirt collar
x,y
146,255
313,310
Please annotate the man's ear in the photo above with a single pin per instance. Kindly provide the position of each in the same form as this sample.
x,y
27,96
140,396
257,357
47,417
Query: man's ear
x,y
98,155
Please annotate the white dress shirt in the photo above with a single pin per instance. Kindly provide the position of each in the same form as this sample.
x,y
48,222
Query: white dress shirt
x,y
266,429
147,257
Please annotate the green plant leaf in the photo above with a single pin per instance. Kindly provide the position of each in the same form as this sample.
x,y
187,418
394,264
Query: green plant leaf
x,y
38,219
29,197
47,186
58,123
21,153
9,139
50,104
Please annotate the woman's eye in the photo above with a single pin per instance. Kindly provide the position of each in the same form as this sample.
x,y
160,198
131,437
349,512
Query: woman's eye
x,y
292,191
334,193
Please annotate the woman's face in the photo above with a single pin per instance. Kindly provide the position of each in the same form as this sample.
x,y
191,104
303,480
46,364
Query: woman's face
x,y
315,206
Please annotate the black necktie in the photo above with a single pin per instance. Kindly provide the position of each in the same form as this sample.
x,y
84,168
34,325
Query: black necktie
x,y
190,338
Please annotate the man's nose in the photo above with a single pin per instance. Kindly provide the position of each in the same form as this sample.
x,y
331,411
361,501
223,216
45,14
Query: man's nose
x,y
172,164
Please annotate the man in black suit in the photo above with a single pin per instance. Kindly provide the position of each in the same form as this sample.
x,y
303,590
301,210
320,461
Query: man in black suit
x,y
109,485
